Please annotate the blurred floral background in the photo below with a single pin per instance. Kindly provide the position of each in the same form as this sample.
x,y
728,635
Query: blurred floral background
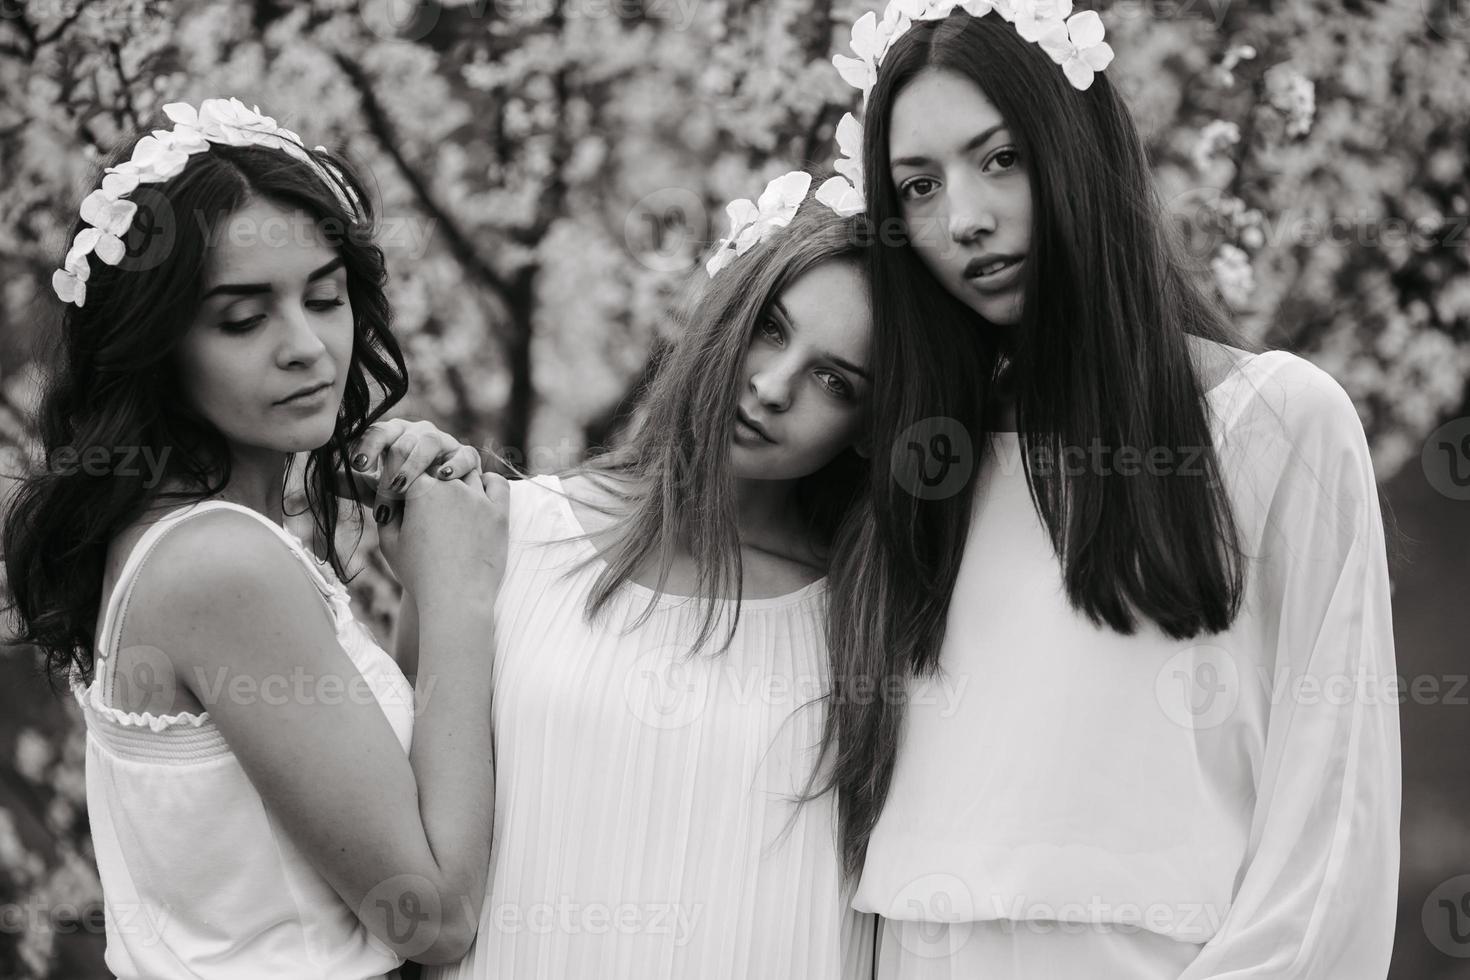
x,y
550,171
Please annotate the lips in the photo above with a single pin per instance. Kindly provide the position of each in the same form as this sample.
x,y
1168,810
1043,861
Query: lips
x,y
989,265
303,392
754,426
993,272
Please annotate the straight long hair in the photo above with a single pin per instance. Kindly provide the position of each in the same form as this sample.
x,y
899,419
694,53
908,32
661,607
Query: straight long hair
x,y
1100,356
674,485
111,385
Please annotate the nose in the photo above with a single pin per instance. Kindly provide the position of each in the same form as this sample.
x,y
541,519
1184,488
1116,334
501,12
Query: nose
x,y
971,210
300,345
772,388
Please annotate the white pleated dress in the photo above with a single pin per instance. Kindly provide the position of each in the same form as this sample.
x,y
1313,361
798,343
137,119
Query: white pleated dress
x,y
641,797
1073,804
198,878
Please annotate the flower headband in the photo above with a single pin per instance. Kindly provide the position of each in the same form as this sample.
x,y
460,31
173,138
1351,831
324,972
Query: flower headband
x,y
1074,41
160,157
754,222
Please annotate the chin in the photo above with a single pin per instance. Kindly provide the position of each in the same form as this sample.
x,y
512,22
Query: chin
x,y
744,467
308,435
1003,311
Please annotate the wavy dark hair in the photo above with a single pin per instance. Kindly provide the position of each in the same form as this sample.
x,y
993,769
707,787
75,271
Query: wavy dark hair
x,y
1101,354
111,385
673,482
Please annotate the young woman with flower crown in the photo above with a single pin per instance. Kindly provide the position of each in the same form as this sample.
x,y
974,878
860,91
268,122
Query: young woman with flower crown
x,y
1147,728
263,800
660,662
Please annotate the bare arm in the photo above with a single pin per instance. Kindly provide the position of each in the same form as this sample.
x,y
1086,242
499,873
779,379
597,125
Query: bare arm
x,y
403,839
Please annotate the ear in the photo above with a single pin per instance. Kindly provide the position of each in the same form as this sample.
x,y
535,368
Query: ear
x,y
863,449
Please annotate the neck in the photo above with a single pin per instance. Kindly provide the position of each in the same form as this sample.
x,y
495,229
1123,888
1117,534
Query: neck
x,y
766,509
256,480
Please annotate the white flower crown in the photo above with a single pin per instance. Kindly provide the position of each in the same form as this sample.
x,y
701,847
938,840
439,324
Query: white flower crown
x,y
160,157
1074,41
752,222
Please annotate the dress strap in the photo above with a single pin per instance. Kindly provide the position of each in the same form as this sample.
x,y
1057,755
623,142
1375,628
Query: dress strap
x,y
122,590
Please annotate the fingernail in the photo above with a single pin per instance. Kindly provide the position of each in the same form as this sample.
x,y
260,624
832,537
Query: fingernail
x,y
398,482
444,472
381,514
359,462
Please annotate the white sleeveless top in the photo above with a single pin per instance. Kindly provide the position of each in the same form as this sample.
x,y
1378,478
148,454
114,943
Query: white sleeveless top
x,y
641,794
198,879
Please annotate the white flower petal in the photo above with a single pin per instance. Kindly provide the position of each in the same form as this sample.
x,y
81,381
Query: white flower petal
x,y
742,212
182,113
748,236
723,254
850,136
1099,56
841,196
1054,41
63,285
1085,29
859,74
864,37
84,243
111,215
118,184
1078,73
189,140
783,195
110,249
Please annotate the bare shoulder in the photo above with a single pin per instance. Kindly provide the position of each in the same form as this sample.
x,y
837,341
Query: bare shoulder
x,y
214,569
216,577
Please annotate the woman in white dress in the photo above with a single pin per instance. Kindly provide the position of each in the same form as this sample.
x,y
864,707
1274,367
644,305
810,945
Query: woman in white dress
x,y
660,660
1149,726
263,801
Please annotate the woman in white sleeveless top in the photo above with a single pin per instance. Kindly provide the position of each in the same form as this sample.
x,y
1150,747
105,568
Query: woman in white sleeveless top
x,y
660,660
263,801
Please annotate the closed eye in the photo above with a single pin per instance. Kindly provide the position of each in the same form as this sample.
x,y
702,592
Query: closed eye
x,y
242,326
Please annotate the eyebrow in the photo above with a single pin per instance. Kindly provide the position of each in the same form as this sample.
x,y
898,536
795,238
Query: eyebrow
x,y
974,144
251,288
840,362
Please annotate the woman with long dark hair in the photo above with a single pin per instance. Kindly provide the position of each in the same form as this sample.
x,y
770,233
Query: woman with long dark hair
x,y
1143,726
263,800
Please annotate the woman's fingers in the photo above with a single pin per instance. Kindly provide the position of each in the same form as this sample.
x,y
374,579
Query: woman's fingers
x,y
458,464
371,444
393,479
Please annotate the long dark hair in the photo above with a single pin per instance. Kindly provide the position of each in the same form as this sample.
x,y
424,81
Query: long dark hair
x,y
1101,354
674,481
112,388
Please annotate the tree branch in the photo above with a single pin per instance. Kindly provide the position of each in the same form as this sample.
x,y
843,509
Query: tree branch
x,y
382,129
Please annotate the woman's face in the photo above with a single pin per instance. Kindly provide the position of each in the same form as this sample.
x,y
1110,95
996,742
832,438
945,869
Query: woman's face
x,y
275,322
806,376
963,190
